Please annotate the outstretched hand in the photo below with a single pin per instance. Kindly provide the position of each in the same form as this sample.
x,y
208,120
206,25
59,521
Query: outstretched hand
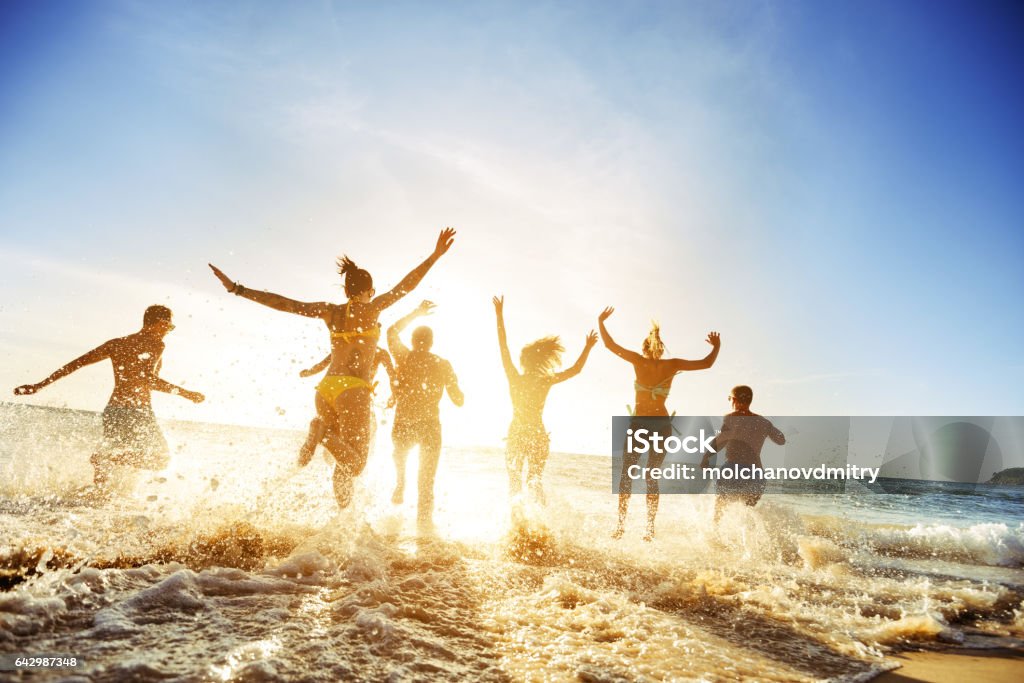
x,y
195,396
605,314
228,283
26,389
444,241
425,308
591,339
499,304
714,339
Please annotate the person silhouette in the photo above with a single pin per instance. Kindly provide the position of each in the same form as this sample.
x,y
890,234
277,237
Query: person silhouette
x,y
422,378
131,436
742,437
528,441
652,385
344,396
317,428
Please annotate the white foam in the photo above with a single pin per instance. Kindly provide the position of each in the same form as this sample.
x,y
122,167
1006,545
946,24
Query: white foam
x,y
23,613
990,544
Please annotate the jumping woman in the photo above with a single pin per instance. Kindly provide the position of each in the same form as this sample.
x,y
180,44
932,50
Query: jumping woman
x,y
654,376
343,397
528,442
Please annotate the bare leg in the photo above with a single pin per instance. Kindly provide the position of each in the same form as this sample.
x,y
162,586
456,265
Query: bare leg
x,y
720,503
349,441
514,465
652,508
317,430
430,454
400,438
535,462
625,489
654,461
400,455
342,481
101,469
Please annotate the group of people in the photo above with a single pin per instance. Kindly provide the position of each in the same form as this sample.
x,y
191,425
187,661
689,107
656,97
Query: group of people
x,y
343,423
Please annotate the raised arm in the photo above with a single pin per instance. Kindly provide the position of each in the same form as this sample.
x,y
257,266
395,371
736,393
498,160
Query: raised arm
x,y
452,386
398,349
506,357
316,369
578,365
680,365
625,354
409,282
276,301
101,352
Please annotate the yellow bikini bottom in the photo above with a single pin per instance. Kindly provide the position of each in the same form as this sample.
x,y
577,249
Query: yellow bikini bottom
x,y
333,386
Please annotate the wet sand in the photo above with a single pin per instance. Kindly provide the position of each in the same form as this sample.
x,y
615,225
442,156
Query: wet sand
x,y
977,666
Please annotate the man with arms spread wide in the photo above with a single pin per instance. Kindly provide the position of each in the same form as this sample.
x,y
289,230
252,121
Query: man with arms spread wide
x,y
131,436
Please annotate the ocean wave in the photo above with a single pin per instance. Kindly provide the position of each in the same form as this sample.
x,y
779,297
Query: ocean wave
x,y
991,544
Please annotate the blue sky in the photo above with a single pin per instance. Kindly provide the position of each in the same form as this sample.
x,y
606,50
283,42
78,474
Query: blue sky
x,y
835,187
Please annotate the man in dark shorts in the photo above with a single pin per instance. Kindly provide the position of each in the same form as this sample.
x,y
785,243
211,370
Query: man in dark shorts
x,y
743,435
422,379
131,437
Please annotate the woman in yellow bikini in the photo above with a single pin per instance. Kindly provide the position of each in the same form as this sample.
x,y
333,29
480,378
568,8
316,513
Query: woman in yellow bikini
x,y
654,376
343,396
317,428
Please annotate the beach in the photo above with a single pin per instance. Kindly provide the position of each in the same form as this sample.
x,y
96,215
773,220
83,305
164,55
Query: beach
x,y
234,564
981,666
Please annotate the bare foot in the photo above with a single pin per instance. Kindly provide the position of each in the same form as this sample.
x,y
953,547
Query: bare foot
x,y
617,534
398,496
649,536
306,454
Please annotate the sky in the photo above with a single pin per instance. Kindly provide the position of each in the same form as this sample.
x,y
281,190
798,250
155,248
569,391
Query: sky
x,y
834,187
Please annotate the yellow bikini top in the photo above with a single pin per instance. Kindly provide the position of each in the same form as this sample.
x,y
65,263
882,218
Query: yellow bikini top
x,y
348,335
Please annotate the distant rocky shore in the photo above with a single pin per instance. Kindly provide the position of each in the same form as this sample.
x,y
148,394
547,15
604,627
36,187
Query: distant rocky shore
x,y
1012,476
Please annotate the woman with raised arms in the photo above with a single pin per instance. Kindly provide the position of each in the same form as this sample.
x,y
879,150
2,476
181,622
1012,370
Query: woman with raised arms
x,y
343,397
528,442
654,376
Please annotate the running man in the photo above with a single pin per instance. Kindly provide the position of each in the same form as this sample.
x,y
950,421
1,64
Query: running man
x,y
654,376
742,436
528,441
131,436
422,379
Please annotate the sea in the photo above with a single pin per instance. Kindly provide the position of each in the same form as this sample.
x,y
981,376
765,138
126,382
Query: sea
x,y
234,564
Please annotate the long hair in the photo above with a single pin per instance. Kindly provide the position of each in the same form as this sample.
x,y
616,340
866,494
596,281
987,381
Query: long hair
x,y
653,347
357,280
541,356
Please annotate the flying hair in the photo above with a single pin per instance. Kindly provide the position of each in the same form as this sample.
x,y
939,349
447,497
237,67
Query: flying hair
x,y
357,280
653,347
542,356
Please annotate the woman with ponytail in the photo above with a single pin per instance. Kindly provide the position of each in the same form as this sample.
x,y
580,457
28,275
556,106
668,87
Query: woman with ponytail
x,y
654,376
343,398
